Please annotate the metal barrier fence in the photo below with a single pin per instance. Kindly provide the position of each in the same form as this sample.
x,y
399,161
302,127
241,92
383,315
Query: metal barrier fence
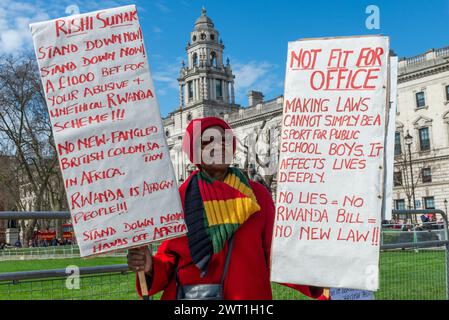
x,y
414,264
414,258
51,252
112,282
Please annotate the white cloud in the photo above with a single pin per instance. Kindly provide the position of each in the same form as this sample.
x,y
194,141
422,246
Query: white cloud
x,y
15,17
162,7
166,75
157,30
256,75
248,74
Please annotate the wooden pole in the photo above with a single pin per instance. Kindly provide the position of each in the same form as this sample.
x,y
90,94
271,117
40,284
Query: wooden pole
x,y
143,285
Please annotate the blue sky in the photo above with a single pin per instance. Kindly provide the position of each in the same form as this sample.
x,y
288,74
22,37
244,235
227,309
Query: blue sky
x,y
255,32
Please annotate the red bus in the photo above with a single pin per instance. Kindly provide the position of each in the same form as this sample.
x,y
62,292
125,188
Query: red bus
x,y
49,235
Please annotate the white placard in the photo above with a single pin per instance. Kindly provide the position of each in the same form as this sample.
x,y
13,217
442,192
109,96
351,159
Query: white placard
x,y
329,195
109,136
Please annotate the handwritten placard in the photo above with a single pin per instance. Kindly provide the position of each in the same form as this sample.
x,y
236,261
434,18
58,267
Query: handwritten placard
x,y
329,195
108,131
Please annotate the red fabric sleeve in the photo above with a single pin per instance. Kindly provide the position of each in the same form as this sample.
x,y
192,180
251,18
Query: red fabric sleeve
x,y
163,268
269,208
164,260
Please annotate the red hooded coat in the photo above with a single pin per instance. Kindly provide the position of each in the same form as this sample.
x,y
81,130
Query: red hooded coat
x,y
248,275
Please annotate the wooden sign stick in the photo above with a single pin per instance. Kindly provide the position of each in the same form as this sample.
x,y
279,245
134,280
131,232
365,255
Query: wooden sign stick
x,y
143,285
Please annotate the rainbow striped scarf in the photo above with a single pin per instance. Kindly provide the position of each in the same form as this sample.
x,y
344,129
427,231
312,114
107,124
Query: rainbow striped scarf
x,y
214,210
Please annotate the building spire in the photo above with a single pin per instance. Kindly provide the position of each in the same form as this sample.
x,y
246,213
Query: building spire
x,y
203,11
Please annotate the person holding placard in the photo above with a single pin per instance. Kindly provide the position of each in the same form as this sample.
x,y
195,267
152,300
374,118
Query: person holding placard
x,y
226,252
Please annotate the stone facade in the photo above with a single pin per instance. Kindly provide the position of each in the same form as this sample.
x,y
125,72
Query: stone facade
x,y
427,73
423,112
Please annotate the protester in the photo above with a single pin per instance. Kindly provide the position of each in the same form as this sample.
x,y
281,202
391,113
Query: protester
x,y
424,218
244,214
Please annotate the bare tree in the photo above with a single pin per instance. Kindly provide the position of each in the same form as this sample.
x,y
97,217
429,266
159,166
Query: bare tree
x,y
10,188
26,135
402,164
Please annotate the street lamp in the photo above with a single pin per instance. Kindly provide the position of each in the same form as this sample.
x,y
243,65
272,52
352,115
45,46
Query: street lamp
x,y
408,141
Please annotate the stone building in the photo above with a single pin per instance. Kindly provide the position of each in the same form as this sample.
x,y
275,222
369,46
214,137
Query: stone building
x,y
423,116
207,89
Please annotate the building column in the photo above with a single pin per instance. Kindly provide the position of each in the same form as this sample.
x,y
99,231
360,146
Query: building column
x,y
206,91
223,89
196,89
180,95
232,93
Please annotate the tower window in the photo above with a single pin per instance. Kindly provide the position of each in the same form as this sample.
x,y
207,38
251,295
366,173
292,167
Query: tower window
x,y
195,60
212,37
194,38
190,89
203,36
218,89
213,59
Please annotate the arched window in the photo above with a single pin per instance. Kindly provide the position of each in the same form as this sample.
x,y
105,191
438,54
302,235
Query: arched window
x,y
213,59
195,60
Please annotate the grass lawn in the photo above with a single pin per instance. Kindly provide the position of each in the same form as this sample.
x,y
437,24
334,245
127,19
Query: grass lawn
x,y
404,275
413,275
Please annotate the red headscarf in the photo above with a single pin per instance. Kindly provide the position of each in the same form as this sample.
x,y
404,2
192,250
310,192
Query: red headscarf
x,y
192,135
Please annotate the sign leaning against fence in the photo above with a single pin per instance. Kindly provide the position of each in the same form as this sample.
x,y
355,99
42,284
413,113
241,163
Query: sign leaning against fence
x,y
329,196
108,131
